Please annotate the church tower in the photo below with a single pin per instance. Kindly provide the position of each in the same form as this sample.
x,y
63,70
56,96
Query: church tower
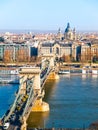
x,y
68,34
74,34
59,35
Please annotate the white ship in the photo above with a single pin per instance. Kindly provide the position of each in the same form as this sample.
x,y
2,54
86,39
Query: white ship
x,y
64,72
9,79
9,72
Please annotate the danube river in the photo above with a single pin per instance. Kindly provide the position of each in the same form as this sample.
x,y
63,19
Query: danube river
x,y
73,102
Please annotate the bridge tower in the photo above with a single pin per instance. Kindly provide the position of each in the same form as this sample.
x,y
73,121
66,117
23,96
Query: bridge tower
x,y
33,73
51,59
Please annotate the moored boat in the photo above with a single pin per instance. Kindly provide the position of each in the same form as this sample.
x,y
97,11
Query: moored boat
x,y
64,72
9,72
94,71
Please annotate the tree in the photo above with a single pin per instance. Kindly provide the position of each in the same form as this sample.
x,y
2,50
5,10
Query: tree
x,y
22,55
7,56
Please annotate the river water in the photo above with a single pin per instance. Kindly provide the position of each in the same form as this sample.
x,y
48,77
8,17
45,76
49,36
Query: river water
x,y
7,96
73,102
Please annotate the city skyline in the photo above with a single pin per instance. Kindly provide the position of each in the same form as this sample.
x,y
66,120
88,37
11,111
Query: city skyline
x,y
48,15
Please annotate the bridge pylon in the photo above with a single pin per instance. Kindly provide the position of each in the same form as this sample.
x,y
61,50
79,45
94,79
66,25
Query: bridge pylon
x,y
27,73
49,57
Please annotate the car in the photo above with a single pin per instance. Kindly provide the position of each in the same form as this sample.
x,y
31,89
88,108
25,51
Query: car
x,y
23,99
26,96
6,125
13,117
18,108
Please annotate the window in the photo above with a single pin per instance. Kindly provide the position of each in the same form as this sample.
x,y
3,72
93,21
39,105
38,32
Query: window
x,y
50,49
57,50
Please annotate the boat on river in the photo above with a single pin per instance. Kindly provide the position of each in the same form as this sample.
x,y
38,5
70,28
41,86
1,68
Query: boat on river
x,y
64,72
9,72
8,79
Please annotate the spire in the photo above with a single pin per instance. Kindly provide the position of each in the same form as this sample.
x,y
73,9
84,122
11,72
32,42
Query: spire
x,y
68,25
59,30
74,30
74,34
59,35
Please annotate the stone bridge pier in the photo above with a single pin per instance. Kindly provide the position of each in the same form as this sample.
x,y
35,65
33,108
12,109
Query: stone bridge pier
x,y
33,73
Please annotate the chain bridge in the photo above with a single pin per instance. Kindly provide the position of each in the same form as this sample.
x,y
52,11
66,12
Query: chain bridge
x,y
30,93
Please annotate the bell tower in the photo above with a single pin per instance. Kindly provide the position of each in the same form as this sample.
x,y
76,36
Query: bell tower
x,y
59,35
74,34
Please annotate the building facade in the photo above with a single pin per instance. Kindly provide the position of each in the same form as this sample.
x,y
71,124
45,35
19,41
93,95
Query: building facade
x,y
59,49
89,52
14,52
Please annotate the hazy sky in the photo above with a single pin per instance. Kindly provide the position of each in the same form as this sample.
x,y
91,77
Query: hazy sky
x,y
48,14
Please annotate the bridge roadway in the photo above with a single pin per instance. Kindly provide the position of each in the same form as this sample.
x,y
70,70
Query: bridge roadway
x,y
23,104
